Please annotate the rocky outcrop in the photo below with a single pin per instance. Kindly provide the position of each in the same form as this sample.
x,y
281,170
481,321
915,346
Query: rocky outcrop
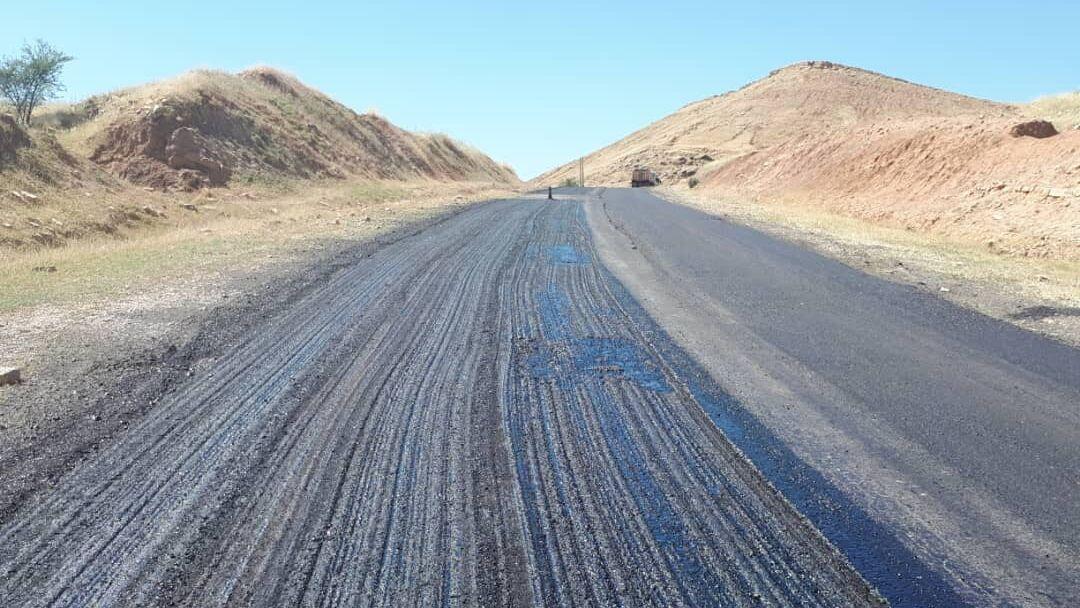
x,y
166,146
1039,129
187,149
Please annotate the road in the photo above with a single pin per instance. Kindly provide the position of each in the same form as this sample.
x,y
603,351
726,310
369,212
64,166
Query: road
x,y
959,432
600,400
469,416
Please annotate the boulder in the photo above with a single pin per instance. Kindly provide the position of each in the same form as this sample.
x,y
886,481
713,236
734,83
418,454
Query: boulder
x,y
10,375
1039,129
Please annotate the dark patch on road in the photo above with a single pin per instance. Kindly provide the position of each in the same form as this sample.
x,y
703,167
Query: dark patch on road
x,y
566,254
1038,313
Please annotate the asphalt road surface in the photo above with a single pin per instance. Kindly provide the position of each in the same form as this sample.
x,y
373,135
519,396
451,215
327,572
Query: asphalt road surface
x,y
469,416
601,400
958,432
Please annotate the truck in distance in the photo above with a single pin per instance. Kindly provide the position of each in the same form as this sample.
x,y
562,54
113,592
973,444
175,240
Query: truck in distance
x,y
644,177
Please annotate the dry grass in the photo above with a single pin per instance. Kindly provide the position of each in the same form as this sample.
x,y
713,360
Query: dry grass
x,y
305,168
99,267
90,118
1062,110
228,233
272,130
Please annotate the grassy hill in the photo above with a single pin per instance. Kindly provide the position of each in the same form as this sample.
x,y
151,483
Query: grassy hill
x,y
123,160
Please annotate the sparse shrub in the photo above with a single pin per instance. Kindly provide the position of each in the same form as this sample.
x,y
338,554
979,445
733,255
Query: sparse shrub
x,y
32,77
693,182
63,116
569,183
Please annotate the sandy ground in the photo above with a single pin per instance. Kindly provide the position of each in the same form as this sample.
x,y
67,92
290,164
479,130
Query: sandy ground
x,y
1037,294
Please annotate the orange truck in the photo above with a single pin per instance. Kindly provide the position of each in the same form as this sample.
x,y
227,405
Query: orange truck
x,y
644,177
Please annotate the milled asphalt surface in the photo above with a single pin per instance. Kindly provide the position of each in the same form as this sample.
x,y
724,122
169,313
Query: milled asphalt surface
x,y
871,404
479,414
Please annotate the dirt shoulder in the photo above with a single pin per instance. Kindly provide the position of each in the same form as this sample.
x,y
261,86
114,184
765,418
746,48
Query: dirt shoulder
x,y
1041,295
102,328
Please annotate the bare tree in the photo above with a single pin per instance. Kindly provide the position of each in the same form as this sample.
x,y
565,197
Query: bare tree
x,y
32,77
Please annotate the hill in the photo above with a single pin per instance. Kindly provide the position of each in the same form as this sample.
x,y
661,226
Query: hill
x,y
866,145
98,166
204,126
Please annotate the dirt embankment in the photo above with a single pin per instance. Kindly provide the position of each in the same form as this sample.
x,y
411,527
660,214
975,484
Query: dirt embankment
x,y
868,146
199,129
120,162
970,180
12,139
49,194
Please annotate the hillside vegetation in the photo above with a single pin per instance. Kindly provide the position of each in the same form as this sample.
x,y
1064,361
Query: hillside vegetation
x,y
868,146
1062,110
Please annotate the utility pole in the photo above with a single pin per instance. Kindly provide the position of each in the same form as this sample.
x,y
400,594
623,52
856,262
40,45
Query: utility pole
x,y
581,171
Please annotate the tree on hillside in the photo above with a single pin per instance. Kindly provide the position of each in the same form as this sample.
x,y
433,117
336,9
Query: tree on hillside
x,y
32,77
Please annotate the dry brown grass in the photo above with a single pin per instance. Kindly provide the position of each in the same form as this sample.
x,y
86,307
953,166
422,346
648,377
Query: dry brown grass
x,y
1062,110
227,233
72,182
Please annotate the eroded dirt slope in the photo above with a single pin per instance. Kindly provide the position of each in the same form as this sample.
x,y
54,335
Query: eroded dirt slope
x,y
121,161
204,126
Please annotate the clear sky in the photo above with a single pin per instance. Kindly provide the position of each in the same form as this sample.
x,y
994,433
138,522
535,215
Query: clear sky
x,y
535,84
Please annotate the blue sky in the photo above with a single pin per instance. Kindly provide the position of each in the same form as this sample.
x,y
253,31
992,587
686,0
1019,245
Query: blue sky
x,y
537,84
